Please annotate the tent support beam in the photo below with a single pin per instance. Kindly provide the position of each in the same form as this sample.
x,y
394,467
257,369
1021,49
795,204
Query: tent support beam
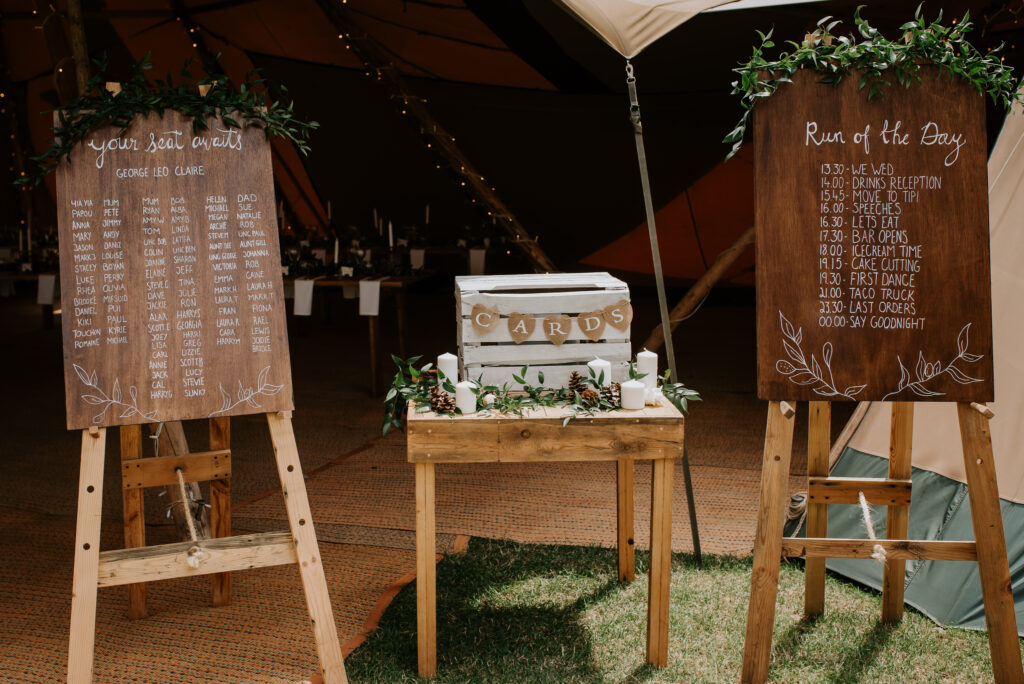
x,y
376,60
701,288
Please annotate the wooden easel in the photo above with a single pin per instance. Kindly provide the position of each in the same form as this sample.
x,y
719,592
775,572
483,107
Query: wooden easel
x,y
988,549
139,564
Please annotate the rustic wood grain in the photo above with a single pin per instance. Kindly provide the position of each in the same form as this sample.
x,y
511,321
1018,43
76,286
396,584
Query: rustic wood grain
x,y
900,549
818,433
132,504
993,567
846,490
167,319
897,516
220,509
950,224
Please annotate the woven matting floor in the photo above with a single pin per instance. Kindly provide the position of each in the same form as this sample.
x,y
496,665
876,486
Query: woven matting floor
x,y
361,492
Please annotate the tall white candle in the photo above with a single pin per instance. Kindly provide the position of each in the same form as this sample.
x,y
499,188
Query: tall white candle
x,y
465,398
391,237
647,363
632,394
601,366
335,250
449,365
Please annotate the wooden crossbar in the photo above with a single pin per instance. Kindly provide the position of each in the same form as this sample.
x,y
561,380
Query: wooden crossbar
x,y
200,466
845,490
166,561
896,549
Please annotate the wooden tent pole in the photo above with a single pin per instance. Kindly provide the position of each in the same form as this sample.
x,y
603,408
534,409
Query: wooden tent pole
x,y
79,47
370,53
60,52
700,288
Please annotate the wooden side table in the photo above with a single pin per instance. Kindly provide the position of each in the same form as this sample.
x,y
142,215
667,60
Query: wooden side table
x,y
652,434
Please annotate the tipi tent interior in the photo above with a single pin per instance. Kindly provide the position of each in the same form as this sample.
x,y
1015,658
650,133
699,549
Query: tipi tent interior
x,y
536,102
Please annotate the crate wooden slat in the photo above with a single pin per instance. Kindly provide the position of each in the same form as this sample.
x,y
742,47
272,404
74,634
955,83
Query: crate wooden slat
x,y
494,357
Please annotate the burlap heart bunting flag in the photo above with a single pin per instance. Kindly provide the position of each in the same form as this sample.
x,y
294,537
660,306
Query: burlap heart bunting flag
x,y
591,324
619,315
484,318
521,326
557,327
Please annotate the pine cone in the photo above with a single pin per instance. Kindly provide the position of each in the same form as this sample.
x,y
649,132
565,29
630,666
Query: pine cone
x,y
441,401
577,383
590,397
612,394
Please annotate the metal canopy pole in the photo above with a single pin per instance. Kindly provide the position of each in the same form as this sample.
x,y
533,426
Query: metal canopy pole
x,y
666,324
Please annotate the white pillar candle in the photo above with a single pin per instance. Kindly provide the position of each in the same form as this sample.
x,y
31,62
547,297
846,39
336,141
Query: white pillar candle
x,y
632,394
449,365
599,366
647,363
465,398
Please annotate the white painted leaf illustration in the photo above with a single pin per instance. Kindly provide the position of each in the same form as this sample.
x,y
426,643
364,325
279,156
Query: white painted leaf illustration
x,y
82,374
826,353
793,352
815,366
960,376
921,369
971,358
963,339
262,377
93,399
115,394
922,391
854,390
272,389
784,367
787,327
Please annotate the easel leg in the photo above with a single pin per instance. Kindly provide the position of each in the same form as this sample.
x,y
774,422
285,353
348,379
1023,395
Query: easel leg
x,y
372,322
426,577
311,569
624,499
818,445
897,518
400,314
87,556
220,509
691,508
764,581
134,516
1000,617
661,561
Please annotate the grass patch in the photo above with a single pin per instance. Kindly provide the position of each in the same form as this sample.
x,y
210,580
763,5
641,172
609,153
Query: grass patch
x,y
510,612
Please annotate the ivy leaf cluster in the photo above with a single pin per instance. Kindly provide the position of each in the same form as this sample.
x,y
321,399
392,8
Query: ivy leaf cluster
x,y
98,107
878,60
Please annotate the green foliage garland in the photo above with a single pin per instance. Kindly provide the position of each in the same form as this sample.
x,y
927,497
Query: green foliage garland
x,y
412,384
98,107
879,61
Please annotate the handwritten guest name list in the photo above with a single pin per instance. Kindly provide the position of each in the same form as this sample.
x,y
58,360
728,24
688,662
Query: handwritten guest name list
x,y
172,295
872,244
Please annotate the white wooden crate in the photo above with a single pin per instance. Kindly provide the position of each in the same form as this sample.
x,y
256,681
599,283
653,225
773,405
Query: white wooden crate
x,y
494,356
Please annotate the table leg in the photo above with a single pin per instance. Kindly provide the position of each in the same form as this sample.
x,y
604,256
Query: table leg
x,y
426,579
400,315
624,493
661,562
372,321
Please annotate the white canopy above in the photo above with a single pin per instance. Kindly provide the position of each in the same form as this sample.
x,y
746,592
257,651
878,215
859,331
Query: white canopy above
x,y
629,26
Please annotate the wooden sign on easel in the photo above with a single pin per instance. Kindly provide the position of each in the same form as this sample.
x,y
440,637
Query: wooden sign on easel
x,y
866,213
175,310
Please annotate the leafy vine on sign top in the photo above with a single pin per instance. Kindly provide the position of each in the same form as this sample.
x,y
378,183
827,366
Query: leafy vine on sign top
x,y
98,107
879,61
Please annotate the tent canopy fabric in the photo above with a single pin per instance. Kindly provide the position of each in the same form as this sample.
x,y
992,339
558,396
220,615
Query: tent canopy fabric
x,y
629,26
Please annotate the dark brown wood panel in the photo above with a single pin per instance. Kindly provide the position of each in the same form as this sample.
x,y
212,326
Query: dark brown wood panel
x,y
872,243
173,306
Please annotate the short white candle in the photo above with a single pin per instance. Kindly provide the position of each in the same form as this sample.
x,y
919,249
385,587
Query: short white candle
x,y
465,398
632,394
599,366
647,363
449,365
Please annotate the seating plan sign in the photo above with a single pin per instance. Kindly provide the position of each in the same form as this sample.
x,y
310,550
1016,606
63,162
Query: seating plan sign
x,y
172,299
872,242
